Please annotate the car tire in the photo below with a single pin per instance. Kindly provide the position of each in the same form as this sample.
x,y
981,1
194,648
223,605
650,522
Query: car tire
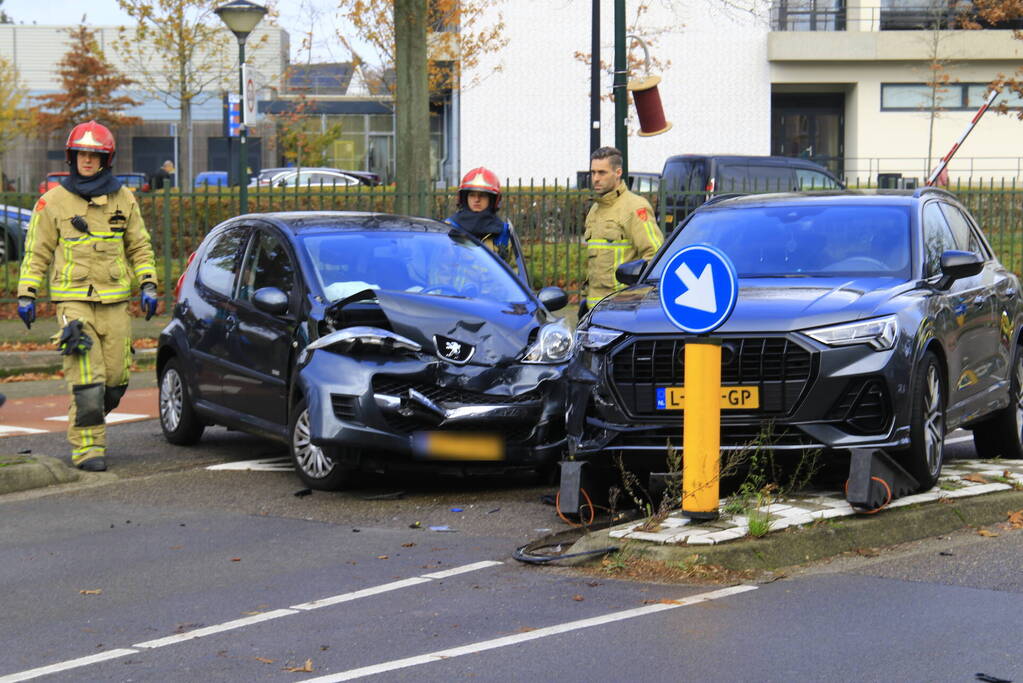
x,y
315,467
1001,435
181,426
923,458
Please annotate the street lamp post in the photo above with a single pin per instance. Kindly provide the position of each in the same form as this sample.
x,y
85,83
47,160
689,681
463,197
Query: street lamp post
x,y
241,16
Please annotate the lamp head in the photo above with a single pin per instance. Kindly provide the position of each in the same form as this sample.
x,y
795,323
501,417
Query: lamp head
x,y
241,16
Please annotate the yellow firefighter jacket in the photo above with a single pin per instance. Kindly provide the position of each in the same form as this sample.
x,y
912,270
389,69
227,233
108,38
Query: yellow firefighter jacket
x,y
86,266
620,227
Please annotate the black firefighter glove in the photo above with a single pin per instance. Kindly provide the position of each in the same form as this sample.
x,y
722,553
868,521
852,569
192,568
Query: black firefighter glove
x,y
73,339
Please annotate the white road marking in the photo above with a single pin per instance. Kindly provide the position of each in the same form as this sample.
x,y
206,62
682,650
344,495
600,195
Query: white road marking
x,y
462,570
64,666
5,429
265,465
111,418
505,641
366,592
246,621
218,628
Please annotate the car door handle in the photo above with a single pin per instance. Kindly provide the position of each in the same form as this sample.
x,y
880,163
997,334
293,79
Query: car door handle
x,y
230,324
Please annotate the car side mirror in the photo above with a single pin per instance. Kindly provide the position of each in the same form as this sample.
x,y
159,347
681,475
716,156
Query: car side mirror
x,y
956,265
270,300
628,273
553,298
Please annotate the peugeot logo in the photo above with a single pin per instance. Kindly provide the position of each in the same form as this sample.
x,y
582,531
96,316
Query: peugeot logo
x,y
453,350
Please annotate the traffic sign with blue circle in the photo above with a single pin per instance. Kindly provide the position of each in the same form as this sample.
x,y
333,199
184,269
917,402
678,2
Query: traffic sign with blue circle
x,y
699,288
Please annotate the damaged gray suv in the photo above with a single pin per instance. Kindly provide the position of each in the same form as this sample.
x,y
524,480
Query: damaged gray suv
x,y
365,341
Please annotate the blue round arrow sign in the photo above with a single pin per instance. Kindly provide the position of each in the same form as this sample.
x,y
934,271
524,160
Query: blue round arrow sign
x,y
698,289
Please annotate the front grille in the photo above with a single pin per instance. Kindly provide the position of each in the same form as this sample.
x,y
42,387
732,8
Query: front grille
x,y
733,437
344,406
863,408
779,366
397,386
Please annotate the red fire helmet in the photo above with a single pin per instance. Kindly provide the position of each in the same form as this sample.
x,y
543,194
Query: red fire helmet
x,y
91,137
482,180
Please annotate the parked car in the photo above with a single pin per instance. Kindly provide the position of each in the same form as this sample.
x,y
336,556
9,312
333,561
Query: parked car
x,y
13,228
864,320
364,341
136,182
267,174
211,179
691,179
52,180
310,178
643,182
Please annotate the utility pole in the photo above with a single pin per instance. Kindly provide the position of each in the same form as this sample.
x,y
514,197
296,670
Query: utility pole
x,y
621,94
412,104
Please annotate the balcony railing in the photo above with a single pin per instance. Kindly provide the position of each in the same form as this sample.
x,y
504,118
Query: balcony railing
x,y
813,15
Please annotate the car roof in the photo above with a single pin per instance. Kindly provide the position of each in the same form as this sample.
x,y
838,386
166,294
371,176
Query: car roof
x,y
869,197
314,222
744,158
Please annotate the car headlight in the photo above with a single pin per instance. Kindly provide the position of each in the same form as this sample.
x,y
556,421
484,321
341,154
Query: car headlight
x,y
553,345
594,338
880,333
361,339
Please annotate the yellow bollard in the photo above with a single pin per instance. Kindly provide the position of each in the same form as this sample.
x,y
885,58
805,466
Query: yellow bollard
x,y
701,430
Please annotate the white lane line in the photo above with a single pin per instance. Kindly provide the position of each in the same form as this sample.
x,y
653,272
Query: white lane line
x,y
505,641
247,621
64,666
463,569
264,465
9,429
355,595
218,628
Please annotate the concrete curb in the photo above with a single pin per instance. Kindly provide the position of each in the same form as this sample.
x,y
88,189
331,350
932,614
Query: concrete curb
x,y
17,362
23,472
829,538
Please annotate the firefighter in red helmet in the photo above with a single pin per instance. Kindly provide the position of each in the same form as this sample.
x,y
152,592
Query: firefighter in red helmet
x,y
479,198
88,234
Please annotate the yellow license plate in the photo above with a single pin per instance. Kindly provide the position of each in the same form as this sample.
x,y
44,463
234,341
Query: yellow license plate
x,y
458,446
732,398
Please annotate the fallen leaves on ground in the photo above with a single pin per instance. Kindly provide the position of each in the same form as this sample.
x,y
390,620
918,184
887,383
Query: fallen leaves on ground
x,y
525,629
91,591
975,478
1016,519
19,347
305,668
985,532
32,377
382,557
265,660
578,598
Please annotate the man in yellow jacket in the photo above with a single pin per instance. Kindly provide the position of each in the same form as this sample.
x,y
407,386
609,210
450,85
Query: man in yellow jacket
x,y
620,227
88,233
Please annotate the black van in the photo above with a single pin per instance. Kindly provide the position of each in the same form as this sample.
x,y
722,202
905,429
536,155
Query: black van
x,y
691,179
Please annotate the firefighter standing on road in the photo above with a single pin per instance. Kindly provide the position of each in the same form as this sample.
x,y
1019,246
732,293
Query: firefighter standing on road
x,y
620,227
90,231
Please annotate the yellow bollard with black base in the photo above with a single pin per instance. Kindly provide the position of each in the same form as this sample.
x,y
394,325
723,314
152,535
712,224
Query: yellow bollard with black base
x,y
701,431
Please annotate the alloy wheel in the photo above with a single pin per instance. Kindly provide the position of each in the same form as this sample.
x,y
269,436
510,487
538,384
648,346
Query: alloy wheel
x,y
308,456
934,419
172,399
1017,394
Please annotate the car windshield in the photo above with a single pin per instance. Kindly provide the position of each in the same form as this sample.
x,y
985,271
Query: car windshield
x,y
803,240
435,263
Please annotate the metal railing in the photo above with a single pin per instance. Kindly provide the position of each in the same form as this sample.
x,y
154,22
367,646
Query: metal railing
x,y
548,218
808,15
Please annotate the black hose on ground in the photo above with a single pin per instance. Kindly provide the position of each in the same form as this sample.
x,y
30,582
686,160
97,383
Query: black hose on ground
x,y
528,552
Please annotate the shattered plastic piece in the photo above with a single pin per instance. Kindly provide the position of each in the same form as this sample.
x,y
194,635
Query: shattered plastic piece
x,y
442,527
25,451
490,512
389,495
947,553
988,678
302,493
456,509
415,525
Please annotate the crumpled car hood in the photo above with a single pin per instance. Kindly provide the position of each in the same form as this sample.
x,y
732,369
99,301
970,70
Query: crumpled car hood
x,y
499,332
764,305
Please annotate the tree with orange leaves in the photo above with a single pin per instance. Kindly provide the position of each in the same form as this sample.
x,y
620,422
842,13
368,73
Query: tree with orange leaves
x,y
90,88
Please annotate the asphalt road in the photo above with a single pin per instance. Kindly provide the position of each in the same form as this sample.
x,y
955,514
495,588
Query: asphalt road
x,y
178,573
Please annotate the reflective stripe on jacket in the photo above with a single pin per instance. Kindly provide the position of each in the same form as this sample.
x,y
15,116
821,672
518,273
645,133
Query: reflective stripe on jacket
x,y
97,265
620,227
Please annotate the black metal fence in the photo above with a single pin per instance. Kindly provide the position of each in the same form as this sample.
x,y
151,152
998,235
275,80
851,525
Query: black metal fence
x,y
548,218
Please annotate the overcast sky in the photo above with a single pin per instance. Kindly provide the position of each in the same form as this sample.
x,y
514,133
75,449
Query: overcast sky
x,y
294,17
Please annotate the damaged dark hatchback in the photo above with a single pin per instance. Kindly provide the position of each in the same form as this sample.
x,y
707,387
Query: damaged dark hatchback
x,y
364,341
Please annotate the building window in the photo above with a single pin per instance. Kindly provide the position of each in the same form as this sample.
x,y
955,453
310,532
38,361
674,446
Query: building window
x,y
808,15
949,97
